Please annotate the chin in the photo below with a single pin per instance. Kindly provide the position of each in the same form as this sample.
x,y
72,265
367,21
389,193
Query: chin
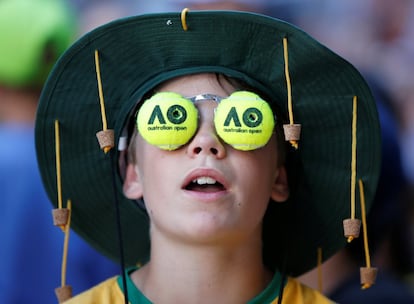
x,y
210,230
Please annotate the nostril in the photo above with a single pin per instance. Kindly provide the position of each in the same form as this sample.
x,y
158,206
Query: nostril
x,y
206,142
213,151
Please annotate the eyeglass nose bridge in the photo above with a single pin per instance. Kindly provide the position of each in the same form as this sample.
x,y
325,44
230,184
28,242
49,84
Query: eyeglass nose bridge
x,y
205,97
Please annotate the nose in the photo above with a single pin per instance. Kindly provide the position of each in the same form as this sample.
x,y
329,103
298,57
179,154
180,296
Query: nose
x,y
206,140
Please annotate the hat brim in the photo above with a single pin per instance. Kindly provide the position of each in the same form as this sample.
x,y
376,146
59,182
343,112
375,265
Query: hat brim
x,y
140,52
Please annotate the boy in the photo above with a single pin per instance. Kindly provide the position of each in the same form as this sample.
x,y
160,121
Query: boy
x,y
201,98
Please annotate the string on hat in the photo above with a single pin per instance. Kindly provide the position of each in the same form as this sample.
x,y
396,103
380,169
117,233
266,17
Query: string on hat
x,y
352,225
105,136
184,18
61,218
291,130
319,267
106,141
368,274
66,246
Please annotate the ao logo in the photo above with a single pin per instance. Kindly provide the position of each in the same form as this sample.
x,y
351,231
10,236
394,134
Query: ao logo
x,y
167,120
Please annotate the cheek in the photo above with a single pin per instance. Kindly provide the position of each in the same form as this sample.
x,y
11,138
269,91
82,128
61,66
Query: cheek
x,y
155,168
257,172
146,155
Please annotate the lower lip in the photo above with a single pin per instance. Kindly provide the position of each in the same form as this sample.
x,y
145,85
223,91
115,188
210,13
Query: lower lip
x,y
206,196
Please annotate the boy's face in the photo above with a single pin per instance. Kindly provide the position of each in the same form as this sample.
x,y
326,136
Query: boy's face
x,y
205,191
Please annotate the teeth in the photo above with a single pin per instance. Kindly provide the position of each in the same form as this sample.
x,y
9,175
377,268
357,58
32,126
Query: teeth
x,y
203,180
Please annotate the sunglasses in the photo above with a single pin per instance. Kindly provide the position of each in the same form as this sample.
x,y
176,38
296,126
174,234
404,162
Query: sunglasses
x,y
243,120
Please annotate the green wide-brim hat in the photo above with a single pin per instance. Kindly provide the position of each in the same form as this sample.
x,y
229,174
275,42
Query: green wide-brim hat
x,y
138,53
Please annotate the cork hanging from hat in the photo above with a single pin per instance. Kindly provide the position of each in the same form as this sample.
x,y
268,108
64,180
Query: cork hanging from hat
x,y
352,225
368,274
291,130
106,136
61,218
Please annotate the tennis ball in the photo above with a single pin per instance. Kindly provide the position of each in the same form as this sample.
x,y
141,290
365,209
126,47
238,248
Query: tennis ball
x,y
167,120
244,121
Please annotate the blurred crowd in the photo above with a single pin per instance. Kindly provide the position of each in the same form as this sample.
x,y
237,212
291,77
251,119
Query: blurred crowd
x,y
377,36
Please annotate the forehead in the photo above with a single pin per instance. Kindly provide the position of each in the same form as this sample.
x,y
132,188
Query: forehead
x,y
191,85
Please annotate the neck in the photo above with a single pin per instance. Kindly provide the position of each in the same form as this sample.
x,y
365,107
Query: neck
x,y
203,274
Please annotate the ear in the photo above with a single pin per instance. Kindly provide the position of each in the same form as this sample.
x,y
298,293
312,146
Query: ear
x,y
280,188
132,184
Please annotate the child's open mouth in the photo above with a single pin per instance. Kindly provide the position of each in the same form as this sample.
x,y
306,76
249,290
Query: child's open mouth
x,y
205,184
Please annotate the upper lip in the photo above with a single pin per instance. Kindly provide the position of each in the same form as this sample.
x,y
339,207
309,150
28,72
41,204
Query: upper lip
x,y
205,173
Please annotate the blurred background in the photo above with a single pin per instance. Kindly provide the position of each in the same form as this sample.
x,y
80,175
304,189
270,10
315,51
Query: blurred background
x,y
377,36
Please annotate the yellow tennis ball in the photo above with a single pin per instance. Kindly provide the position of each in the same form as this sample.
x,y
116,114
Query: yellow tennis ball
x,y
167,120
244,121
